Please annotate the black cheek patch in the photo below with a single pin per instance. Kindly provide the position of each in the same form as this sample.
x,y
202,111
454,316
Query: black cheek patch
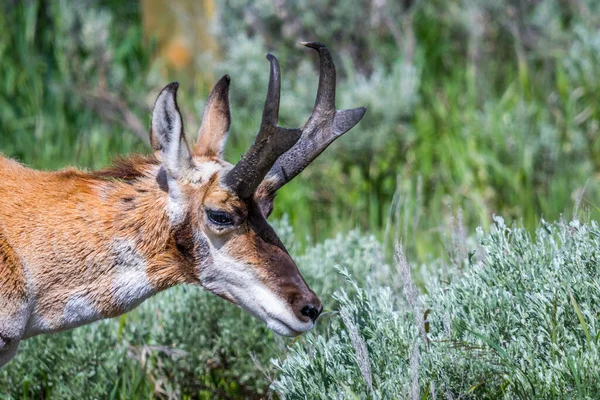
x,y
194,249
184,240
161,179
203,249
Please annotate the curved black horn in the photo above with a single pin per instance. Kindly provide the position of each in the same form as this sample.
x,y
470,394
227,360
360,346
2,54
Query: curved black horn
x,y
325,124
270,143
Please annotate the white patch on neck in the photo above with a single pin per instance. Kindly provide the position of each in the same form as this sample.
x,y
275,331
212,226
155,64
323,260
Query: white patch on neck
x,y
13,323
130,285
36,325
79,310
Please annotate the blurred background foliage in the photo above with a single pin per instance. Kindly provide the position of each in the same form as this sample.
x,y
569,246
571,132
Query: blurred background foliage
x,y
478,105
484,105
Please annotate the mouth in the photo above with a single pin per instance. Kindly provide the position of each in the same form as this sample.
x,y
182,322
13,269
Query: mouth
x,y
284,329
263,304
290,327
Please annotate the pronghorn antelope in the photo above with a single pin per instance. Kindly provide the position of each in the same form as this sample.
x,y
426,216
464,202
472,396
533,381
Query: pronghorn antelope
x,y
76,247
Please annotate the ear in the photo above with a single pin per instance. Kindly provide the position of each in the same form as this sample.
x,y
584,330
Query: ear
x,y
216,119
265,195
166,133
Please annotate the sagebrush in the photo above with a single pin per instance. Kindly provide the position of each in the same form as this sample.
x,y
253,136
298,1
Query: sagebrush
x,y
519,321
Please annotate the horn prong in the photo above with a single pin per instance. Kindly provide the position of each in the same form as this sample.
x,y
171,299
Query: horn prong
x,y
283,153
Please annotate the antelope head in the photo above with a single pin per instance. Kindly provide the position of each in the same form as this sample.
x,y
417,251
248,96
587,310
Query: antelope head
x,y
218,211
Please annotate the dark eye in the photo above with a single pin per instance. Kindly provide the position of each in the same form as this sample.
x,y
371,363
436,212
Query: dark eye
x,y
219,217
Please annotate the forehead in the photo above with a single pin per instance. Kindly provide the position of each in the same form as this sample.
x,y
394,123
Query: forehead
x,y
219,197
207,172
206,167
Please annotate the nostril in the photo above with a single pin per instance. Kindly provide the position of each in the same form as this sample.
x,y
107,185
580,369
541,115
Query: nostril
x,y
311,312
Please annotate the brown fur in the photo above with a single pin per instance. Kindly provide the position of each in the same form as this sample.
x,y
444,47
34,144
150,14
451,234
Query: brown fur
x,y
127,169
62,224
11,274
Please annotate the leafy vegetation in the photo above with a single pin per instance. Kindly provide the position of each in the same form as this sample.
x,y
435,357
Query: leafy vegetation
x,y
487,107
519,321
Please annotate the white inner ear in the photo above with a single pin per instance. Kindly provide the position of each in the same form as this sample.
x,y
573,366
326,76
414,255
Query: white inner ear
x,y
168,138
167,127
216,120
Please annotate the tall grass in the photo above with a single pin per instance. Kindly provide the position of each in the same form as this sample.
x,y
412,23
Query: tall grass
x,y
58,61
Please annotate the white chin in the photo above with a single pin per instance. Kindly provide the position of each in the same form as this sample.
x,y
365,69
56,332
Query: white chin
x,y
285,330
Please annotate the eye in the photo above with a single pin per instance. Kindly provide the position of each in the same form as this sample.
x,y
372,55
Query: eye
x,y
219,217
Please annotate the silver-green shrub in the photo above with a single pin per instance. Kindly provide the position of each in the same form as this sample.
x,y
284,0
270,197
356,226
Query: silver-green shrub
x,y
520,322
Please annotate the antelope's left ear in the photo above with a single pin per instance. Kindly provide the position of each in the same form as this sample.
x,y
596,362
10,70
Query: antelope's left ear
x,y
166,133
216,119
265,196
